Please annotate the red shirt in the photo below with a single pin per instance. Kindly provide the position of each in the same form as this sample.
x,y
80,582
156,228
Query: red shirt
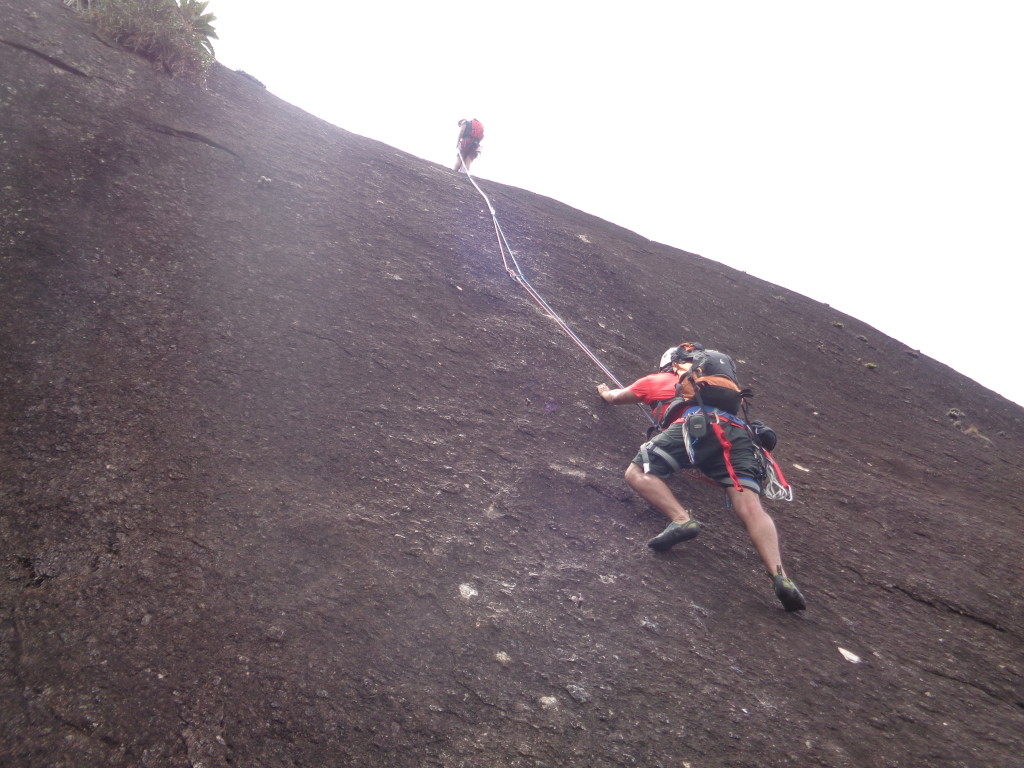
x,y
657,386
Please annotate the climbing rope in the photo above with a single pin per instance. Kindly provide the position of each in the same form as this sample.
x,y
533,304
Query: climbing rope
x,y
508,259
776,486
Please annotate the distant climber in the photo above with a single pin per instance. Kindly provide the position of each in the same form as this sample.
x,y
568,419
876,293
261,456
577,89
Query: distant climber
x,y
706,434
471,133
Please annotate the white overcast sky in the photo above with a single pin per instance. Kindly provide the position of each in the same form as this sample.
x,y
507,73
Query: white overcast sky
x,y
868,155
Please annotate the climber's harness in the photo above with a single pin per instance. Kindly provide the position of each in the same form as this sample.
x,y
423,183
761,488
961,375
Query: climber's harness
x,y
694,423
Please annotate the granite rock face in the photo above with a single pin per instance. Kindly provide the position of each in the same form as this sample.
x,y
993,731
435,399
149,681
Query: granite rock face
x,y
294,474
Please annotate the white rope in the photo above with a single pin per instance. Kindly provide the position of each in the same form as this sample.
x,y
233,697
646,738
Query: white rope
x,y
516,274
774,488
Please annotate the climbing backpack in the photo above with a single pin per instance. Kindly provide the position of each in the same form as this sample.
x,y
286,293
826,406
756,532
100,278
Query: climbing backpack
x,y
706,378
472,132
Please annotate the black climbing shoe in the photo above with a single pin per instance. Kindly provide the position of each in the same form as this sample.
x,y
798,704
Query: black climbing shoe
x,y
787,593
675,533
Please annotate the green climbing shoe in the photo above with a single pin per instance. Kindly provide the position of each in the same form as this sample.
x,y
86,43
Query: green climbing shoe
x,y
675,533
788,593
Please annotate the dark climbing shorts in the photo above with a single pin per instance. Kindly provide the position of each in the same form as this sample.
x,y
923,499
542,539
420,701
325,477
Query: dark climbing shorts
x,y
708,456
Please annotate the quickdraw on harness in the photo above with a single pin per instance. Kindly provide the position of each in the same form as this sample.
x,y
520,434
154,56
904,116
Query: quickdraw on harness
x,y
773,482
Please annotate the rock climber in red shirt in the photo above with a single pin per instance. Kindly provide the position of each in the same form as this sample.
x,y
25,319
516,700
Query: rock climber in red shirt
x,y
724,453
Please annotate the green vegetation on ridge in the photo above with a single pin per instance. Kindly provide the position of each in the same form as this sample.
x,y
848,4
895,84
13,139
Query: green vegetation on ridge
x,y
173,34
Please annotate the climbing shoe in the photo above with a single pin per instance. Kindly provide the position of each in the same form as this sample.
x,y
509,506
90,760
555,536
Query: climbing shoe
x,y
675,533
788,593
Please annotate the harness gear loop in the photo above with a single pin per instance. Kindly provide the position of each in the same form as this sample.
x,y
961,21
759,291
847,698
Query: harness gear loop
x,y
645,455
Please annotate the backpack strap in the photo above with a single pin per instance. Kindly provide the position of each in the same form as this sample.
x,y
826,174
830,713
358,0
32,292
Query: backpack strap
x,y
672,409
744,395
693,383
